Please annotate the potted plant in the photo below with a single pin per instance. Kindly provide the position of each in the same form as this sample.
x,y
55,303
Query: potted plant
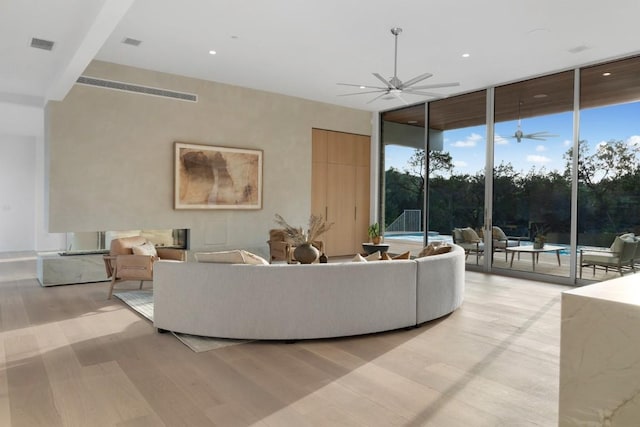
x,y
374,233
303,240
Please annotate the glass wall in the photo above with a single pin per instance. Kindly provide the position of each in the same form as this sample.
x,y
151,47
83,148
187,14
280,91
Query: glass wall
x,y
547,208
531,182
403,141
457,147
609,162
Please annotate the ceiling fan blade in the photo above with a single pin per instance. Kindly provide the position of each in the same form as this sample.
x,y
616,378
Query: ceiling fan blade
x,y
362,93
377,97
437,85
417,79
421,93
383,80
362,86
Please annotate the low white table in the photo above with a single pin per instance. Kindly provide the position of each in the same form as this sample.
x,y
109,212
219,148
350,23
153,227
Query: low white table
x,y
535,253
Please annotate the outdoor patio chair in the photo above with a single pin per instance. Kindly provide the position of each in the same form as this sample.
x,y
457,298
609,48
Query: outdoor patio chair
x,y
501,241
620,255
468,239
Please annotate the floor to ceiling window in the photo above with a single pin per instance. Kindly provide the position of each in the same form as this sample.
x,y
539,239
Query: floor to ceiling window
x,y
403,142
609,162
543,210
531,183
457,147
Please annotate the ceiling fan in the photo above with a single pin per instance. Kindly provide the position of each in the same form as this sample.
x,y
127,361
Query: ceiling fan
x,y
538,136
396,87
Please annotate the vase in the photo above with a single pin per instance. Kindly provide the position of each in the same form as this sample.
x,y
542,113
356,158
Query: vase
x,y
538,244
376,240
306,253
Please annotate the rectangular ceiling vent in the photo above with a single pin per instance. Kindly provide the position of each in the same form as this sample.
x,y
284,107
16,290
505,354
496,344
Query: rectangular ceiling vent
x,y
143,90
132,42
42,44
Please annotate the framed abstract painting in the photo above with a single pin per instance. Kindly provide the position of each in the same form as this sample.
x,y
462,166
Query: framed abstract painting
x,y
211,177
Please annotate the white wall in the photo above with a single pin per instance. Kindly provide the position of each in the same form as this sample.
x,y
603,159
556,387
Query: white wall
x,y
22,185
17,193
112,154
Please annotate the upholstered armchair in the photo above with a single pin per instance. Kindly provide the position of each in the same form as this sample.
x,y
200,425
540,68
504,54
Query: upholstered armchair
x,y
620,255
281,248
132,258
469,240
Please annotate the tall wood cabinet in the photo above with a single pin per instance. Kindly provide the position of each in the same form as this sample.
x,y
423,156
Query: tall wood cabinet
x,y
340,188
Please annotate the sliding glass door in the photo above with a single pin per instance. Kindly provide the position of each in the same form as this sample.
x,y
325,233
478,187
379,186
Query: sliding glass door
x,y
528,177
531,180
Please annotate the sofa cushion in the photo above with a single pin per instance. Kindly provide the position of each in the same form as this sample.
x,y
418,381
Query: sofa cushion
x,y
435,249
145,249
359,258
373,257
404,255
222,257
253,259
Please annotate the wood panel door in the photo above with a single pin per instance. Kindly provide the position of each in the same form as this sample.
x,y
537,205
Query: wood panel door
x,y
340,188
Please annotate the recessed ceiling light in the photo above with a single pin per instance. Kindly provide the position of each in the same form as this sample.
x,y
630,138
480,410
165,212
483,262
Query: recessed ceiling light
x,y
212,52
363,87
606,74
540,95
465,55
412,122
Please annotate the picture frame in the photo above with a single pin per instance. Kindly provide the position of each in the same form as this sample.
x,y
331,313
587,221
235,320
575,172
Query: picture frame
x,y
215,177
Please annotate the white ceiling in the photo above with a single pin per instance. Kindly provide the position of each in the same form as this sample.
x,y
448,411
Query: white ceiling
x,y
303,48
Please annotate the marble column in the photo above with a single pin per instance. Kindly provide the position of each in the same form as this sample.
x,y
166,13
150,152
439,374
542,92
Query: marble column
x,y
600,354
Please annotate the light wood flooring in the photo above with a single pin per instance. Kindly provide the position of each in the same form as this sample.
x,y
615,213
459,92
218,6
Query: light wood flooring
x,y
70,357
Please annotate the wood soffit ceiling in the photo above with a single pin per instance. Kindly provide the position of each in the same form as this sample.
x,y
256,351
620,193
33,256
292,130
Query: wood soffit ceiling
x,y
540,96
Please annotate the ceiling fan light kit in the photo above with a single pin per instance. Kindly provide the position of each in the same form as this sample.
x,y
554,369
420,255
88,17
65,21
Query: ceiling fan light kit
x,y
394,87
519,135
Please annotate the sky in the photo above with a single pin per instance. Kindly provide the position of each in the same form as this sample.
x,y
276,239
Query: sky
x,y
468,146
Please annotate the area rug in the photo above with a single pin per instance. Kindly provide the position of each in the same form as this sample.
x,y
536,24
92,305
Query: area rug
x,y
142,302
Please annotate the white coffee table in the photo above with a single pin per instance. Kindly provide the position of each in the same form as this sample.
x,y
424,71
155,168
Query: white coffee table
x,y
535,253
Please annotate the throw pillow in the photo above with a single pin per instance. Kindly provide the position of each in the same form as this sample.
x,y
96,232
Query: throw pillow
x,y
405,255
443,249
359,258
373,257
253,259
469,235
498,234
145,249
223,257
427,250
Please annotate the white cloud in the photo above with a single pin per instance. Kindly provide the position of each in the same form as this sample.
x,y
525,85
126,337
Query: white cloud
x,y
568,143
460,164
634,141
470,141
534,158
500,140
540,148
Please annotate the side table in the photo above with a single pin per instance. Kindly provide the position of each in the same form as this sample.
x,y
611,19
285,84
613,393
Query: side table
x,y
370,248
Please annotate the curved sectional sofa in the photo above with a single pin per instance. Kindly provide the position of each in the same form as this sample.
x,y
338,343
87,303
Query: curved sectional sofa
x,y
290,302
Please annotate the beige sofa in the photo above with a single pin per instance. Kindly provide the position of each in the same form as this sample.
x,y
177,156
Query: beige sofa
x,y
288,302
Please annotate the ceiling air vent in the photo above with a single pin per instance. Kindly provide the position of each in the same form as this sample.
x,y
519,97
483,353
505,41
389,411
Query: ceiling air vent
x,y
132,42
143,90
42,44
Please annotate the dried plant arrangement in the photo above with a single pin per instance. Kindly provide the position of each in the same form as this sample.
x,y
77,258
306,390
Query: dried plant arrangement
x,y
317,227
